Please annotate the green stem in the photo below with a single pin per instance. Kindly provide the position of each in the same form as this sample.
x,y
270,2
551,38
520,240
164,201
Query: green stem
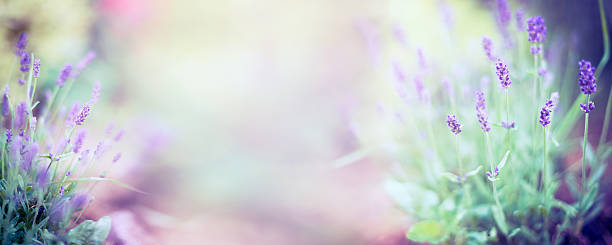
x,y
492,170
584,145
545,166
458,154
600,67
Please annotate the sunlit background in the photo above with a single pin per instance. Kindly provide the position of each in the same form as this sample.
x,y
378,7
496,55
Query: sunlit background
x,y
242,117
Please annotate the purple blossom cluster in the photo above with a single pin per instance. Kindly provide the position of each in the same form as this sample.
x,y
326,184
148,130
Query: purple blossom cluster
x,y
64,75
520,19
586,77
453,124
493,174
503,74
481,111
487,45
536,29
587,108
545,113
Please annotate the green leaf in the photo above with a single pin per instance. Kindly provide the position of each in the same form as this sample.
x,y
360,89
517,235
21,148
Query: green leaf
x,y
427,231
90,232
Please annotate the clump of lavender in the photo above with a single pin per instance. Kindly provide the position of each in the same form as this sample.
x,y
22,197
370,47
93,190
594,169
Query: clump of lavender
x,y
453,124
42,184
536,28
481,111
487,46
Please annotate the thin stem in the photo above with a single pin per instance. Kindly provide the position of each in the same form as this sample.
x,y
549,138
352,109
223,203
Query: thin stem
x,y
600,67
544,165
535,102
458,154
584,145
492,170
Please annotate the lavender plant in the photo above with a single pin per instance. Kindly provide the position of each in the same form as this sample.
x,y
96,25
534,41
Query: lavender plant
x,y
44,159
522,142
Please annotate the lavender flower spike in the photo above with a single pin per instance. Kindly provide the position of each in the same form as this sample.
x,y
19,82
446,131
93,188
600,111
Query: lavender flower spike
x,y
520,20
586,78
589,108
502,74
453,124
536,28
21,114
82,116
64,74
481,112
487,45
504,12
25,61
545,113
22,42
36,68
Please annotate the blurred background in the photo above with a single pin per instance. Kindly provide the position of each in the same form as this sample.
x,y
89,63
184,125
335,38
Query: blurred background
x,y
238,115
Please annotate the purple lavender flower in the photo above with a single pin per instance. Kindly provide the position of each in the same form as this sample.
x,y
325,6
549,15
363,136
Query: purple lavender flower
x,y
118,156
6,108
82,116
22,42
83,63
589,108
545,113
25,62
536,27
42,179
58,210
119,135
507,125
95,93
520,20
586,78
79,201
503,74
453,124
422,61
487,45
481,111
36,69
400,75
494,173
78,143
29,156
64,75
21,113
422,92
399,35
9,135
504,12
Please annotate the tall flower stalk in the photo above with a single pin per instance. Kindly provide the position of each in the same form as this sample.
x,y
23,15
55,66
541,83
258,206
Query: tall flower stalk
x,y
481,114
588,86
